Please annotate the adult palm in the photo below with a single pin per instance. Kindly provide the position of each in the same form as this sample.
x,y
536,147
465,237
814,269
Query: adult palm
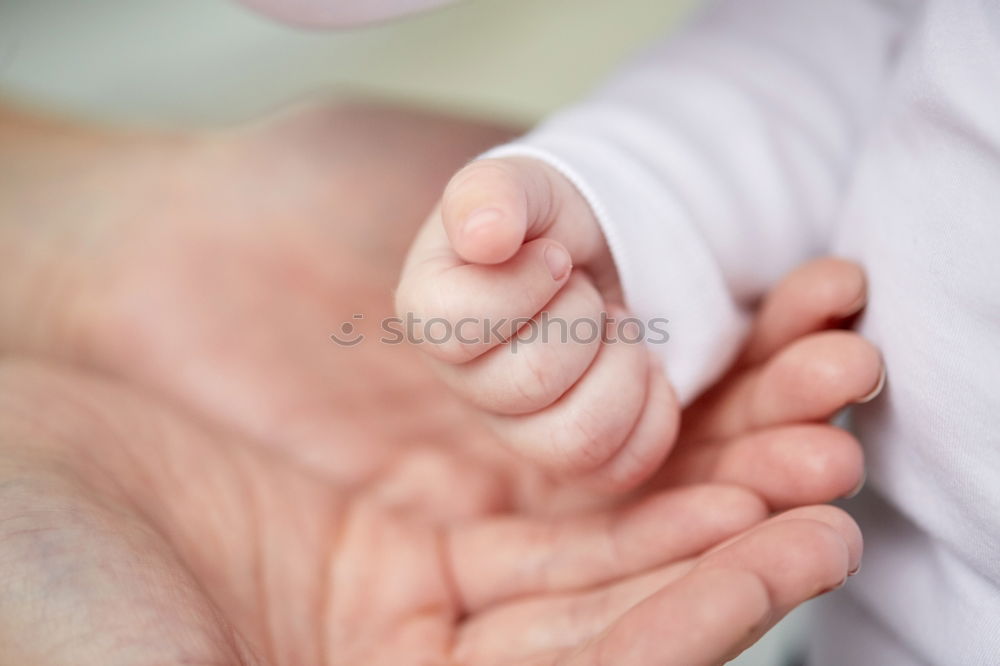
x,y
132,533
269,497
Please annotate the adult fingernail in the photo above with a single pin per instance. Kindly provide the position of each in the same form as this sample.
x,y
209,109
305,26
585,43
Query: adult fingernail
x,y
478,220
558,261
827,590
874,393
857,488
855,307
855,570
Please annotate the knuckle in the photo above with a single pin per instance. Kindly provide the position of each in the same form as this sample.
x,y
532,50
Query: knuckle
x,y
532,382
433,314
590,439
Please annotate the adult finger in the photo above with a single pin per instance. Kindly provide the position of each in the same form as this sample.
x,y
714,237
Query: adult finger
x,y
808,381
516,556
813,297
786,465
793,557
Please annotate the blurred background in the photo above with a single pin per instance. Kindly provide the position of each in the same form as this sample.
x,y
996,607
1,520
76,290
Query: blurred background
x,y
211,62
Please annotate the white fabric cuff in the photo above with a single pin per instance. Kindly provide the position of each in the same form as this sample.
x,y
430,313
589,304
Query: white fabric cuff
x,y
665,268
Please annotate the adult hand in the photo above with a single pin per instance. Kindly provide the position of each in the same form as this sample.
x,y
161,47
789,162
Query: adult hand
x,y
212,269
222,544
131,533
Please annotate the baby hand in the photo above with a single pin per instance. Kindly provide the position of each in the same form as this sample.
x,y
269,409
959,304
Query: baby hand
x,y
505,286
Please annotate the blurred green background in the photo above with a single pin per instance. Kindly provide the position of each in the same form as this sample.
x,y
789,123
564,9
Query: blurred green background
x,y
211,62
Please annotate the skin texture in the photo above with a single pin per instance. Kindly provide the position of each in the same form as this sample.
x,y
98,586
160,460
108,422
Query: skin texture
x,y
500,246
191,472
513,238
134,534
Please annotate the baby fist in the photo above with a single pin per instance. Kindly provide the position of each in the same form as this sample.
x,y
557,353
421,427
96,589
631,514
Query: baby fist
x,y
512,291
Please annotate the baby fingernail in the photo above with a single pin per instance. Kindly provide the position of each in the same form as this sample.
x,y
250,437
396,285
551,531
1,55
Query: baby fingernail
x,y
480,219
558,261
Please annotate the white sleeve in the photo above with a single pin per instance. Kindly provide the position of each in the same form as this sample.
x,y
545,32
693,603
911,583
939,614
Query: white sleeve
x,y
339,13
714,162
